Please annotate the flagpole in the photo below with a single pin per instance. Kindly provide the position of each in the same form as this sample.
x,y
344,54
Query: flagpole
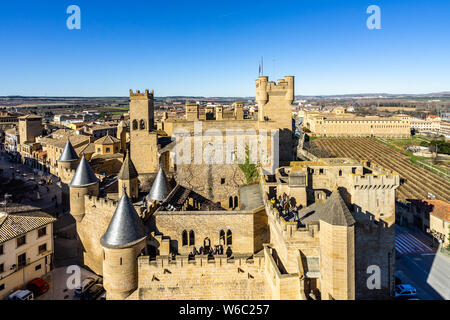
x,y
262,65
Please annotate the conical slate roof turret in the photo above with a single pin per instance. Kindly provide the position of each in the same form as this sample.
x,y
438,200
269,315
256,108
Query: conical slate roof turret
x,y
159,190
68,153
125,228
84,176
335,212
127,171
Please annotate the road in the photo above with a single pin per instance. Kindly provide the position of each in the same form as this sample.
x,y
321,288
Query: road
x,y
46,195
414,258
61,287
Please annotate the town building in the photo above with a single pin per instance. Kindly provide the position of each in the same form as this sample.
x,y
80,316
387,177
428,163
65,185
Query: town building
x,y
342,124
26,246
428,125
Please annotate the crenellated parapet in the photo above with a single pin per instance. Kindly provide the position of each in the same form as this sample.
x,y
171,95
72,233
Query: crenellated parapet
x,y
100,202
290,230
266,90
200,262
141,95
375,181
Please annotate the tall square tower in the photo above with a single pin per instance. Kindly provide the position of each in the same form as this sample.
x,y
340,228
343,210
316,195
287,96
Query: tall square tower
x,y
143,140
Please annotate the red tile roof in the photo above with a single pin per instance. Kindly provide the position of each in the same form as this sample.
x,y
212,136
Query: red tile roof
x,y
438,208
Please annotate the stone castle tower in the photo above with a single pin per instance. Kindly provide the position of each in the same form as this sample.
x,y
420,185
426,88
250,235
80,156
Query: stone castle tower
x,y
30,127
337,250
122,135
67,164
275,110
123,242
143,138
128,178
84,182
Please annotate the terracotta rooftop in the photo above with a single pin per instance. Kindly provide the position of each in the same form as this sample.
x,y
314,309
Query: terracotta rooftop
x,y
107,140
13,225
437,208
59,138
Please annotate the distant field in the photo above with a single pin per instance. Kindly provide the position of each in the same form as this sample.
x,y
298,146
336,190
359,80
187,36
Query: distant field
x,y
416,181
114,110
415,140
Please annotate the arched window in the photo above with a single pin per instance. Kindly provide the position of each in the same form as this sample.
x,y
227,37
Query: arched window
x,y
135,125
235,201
185,238
191,238
230,202
142,124
229,238
222,237
340,173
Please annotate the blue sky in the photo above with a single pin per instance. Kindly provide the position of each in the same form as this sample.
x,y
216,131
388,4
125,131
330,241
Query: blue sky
x,y
212,48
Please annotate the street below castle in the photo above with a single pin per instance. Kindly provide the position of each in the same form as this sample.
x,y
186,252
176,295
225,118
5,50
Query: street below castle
x,y
414,258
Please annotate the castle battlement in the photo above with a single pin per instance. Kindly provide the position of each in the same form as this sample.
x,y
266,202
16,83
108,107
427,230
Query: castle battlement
x,y
384,181
266,89
290,230
138,94
100,203
281,84
201,262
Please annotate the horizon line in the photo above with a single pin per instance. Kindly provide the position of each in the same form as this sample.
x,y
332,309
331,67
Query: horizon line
x,y
237,96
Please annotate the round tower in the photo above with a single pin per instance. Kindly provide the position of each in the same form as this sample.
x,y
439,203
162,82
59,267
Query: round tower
x,y
84,182
123,242
122,135
67,162
290,92
261,91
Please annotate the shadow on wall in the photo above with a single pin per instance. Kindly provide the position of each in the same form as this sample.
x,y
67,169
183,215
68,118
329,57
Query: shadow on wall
x,y
374,246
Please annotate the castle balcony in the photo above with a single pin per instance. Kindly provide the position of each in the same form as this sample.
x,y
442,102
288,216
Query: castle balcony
x,y
290,230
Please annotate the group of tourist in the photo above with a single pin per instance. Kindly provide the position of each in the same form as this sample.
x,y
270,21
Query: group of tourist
x,y
211,251
286,206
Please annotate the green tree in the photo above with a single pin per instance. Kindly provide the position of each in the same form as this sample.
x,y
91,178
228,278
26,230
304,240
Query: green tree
x,y
250,169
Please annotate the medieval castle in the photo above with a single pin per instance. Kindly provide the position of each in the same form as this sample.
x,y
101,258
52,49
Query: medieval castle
x,y
302,230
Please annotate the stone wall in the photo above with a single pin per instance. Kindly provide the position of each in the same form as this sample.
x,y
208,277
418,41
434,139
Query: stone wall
x,y
214,182
99,212
337,262
218,279
208,224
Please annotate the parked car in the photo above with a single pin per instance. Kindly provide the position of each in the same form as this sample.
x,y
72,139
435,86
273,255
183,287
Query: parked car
x,y
21,295
405,291
102,297
84,286
38,286
93,292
